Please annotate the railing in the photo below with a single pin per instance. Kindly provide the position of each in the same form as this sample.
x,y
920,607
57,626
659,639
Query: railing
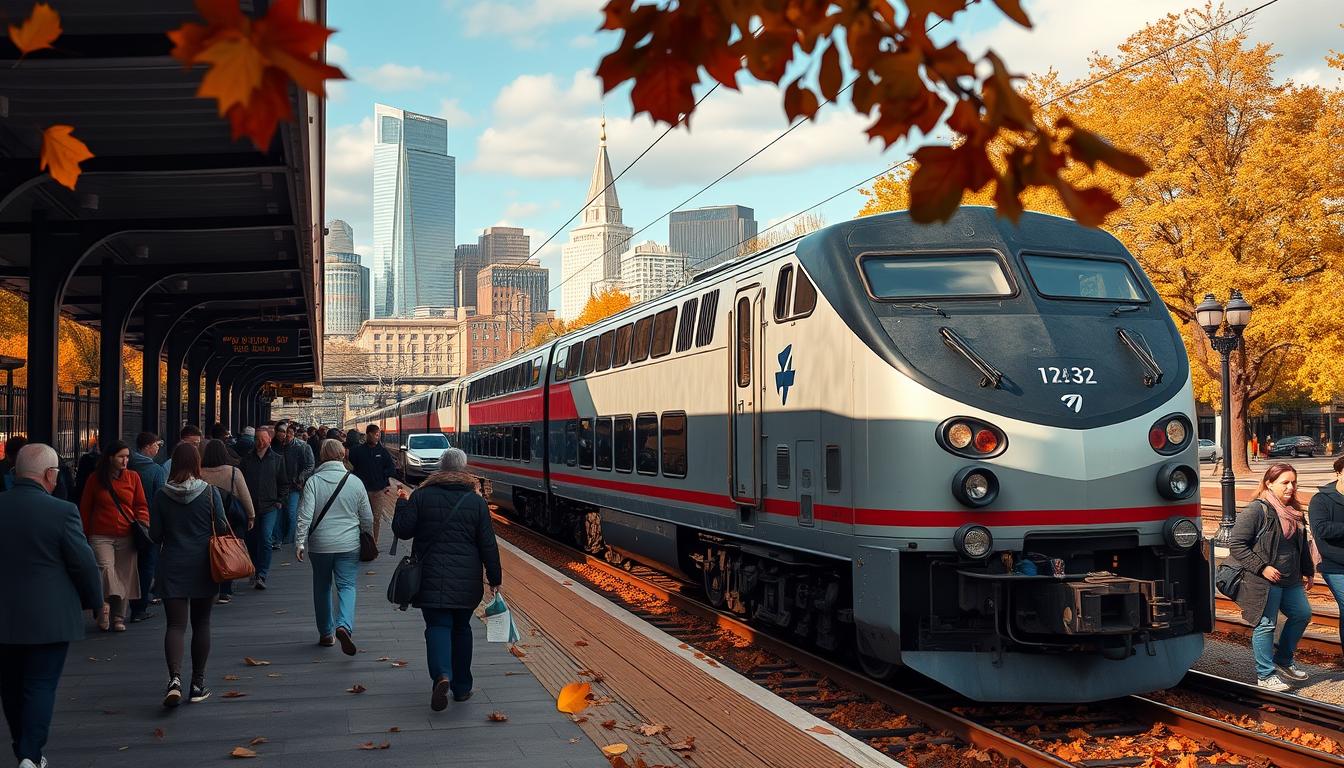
x,y
76,419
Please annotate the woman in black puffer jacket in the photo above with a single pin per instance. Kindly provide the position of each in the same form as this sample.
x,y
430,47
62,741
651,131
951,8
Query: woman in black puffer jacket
x,y
455,544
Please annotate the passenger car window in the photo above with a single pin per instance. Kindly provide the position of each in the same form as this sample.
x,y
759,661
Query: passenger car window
x,y
783,292
622,354
664,323
586,443
674,444
646,444
804,296
639,345
687,329
624,443
605,344
704,334
604,443
589,355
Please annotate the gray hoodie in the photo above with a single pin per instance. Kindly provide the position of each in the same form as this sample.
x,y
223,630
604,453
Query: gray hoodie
x,y
185,492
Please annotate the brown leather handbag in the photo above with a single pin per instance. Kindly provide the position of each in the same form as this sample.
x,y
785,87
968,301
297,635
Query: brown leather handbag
x,y
229,559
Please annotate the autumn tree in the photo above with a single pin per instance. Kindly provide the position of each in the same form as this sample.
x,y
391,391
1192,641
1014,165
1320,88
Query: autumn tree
x,y
551,328
601,305
1246,192
343,359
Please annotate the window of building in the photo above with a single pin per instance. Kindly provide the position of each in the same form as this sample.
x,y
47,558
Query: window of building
x,y
604,443
674,444
605,345
622,353
639,343
646,444
624,443
585,443
664,323
589,355
687,329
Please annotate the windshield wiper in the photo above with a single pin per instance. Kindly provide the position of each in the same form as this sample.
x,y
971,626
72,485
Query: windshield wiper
x,y
991,376
1134,340
925,305
1126,308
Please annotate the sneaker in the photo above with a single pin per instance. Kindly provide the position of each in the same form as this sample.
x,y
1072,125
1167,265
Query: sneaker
x,y
462,696
139,617
199,692
347,644
26,763
1292,672
225,599
1272,683
275,546
173,696
326,641
438,701
261,584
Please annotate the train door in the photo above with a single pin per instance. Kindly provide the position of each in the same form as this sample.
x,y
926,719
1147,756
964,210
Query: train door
x,y
744,397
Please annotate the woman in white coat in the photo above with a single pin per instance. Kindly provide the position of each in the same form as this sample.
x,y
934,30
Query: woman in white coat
x,y
333,509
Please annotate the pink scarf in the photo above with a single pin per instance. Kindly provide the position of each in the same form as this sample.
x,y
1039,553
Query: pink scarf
x,y
1290,518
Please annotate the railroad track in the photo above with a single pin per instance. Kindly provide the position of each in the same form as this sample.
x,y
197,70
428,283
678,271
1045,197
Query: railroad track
x,y
929,717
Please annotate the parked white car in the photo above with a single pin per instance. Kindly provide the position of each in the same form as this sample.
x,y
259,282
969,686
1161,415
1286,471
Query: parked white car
x,y
420,455
1209,451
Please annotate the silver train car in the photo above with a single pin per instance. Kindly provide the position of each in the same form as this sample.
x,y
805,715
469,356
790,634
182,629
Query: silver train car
x,y
964,448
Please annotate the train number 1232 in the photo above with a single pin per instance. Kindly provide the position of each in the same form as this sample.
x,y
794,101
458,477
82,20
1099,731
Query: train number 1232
x,y
1074,375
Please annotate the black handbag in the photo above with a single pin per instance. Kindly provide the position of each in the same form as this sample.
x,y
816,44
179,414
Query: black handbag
x,y
1228,579
139,530
234,513
404,587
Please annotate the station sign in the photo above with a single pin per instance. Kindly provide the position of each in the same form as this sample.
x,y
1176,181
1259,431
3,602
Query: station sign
x,y
294,391
283,343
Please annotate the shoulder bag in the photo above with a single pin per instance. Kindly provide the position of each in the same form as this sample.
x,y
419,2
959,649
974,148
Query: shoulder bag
x,y
1229,574
367,550
405,584
139,530
229,559
233,508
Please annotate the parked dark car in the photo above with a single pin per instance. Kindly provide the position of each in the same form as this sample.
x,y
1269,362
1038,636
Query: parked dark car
x,y
1294,446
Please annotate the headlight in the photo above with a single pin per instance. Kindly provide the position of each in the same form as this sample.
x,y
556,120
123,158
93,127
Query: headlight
x,y
970,438
1170,435
1181,533
973,541
411,458
975,486
1176,481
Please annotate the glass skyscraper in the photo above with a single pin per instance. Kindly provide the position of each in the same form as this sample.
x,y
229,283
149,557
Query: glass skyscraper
x,y
346,283
414,211
710,236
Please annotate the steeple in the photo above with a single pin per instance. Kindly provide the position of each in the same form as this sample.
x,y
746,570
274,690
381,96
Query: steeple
x,y
604,208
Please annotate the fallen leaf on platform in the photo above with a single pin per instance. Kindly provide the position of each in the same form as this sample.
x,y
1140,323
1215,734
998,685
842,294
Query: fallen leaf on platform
x,y
711,662
233,695
251,662
617,761
400,663
356,688
231,678
497,717
38,31
581,643
370,573
651,729
123,749
683,746
516,651
683,646
242,752
824,731
611,750
610,725
258,740
159,734
394,729
579,718
567,583
383,658
574,740
573,698
511,674
274,674
279,612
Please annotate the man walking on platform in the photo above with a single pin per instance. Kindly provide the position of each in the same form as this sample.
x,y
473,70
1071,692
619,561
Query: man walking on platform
x,y
49,566
190,434
374,467
299,465
266,478
152,477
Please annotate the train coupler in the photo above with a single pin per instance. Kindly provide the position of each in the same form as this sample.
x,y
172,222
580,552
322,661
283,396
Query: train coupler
x,y
1095,604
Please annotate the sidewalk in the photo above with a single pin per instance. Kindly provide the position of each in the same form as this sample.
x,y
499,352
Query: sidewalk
x,y
108,709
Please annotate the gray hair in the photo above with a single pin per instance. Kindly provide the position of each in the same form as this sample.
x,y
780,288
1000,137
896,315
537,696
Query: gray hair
x,y
34,460
453,460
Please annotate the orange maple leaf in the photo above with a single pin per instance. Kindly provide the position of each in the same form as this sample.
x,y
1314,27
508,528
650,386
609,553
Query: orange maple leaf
x,y
62,153
573,698
38,31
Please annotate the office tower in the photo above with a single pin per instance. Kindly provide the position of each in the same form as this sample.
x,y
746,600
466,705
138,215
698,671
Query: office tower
x,y
496,245
593,253
414,205
649,270
500,286
345,283
467,261
710,236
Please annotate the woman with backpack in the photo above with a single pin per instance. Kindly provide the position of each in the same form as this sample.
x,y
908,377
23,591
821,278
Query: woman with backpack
x,y
220,469
112,505
333,511
186,511
1269,543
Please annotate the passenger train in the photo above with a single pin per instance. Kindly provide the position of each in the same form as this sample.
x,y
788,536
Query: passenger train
x,y
964,448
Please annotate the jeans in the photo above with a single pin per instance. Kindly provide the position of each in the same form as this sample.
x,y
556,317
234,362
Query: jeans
x,y
1335,581
288,522
259,541
28,678
149,560
343,567
1293,602
448,644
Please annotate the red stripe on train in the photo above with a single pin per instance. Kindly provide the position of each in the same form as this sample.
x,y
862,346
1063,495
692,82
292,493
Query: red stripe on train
x,y
515,408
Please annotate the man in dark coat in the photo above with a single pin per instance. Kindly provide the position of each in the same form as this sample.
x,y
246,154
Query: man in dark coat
x,y
152,477
53,577
267,481
299,463
454,544
1326,513
374,466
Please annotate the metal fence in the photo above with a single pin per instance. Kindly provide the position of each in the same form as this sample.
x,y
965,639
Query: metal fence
x,y
76,419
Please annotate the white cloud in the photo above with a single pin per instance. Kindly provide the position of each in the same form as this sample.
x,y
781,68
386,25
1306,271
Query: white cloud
x,y
350,176
452,111
583,41
544,128
399,77
337,55
520,21
520,210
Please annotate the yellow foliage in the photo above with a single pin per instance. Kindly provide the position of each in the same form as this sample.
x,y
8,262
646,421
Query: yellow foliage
x,y
77,348
600,305
546,331
1245,193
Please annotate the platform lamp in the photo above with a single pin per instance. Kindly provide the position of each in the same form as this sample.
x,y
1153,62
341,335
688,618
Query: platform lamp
x,y
1237,315
8,365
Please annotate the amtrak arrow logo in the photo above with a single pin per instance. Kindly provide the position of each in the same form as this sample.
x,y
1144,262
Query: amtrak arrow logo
x,y
1073,401
784,376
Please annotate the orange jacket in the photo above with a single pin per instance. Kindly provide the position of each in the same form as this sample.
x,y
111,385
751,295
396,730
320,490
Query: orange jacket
x,y
100,515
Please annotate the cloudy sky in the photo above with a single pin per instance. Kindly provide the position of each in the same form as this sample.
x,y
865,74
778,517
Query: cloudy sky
x,y
514,79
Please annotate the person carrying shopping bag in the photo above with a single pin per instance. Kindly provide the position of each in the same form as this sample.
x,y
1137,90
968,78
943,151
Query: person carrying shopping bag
x,y
333,510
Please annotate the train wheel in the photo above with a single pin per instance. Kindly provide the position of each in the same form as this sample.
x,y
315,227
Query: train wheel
x,y
716,584
871,665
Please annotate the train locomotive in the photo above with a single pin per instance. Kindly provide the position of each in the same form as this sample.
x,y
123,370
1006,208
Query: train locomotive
x,y
965,448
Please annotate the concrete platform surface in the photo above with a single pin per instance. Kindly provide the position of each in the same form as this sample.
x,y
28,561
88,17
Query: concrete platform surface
x,y
108,710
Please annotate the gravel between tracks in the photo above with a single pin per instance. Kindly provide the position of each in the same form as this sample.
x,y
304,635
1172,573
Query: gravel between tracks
x,y
1233,660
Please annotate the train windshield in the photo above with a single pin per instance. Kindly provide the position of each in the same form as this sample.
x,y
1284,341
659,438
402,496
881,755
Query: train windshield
x,y
428,442
946,275
1076,277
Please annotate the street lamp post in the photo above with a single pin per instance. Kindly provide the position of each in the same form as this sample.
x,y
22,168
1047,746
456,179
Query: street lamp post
x,y
1211,316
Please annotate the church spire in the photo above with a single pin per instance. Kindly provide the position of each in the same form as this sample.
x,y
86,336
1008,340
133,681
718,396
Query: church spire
x,y
604,207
